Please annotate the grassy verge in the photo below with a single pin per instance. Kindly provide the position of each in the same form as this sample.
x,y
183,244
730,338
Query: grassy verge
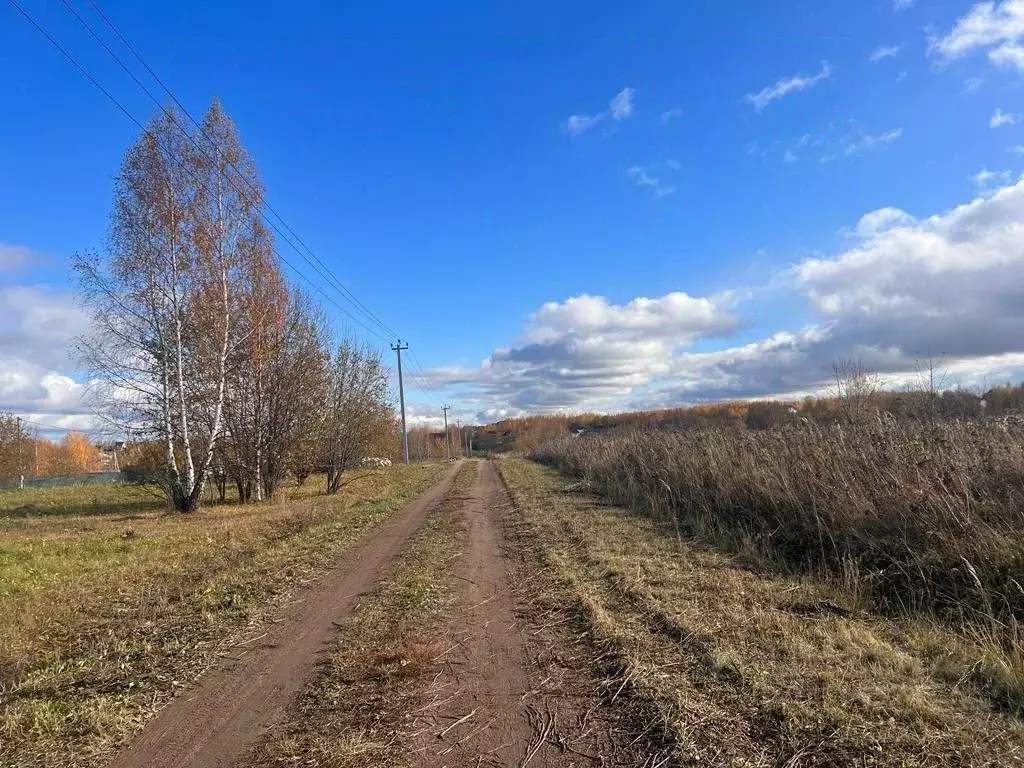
x,y
104,615
357,710
748,667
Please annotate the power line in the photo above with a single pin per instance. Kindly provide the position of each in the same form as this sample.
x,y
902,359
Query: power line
x,y
134,120
340,286
431,389
322,270
319,266
54,428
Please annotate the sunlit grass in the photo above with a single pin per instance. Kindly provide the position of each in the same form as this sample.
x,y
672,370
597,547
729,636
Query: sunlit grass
x,y
104,614
745,665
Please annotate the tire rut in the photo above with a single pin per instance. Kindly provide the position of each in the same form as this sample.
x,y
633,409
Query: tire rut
x,y
501,696
214,724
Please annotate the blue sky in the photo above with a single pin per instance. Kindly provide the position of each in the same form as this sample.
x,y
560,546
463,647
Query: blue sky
x,y
525,191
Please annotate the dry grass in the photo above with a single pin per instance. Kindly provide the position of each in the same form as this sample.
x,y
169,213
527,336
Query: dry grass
x,y
748,667
915,518
356,711
107,606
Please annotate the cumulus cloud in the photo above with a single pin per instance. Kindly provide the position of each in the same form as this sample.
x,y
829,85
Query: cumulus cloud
x,y
986,179
904,288
26,387
787,85
38,324
1000,118
995,27
901,5
37,328
588,351
884,219
619,108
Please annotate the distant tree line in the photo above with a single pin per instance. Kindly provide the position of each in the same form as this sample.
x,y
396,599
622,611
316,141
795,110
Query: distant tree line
x,y
200,348
857,395
24,454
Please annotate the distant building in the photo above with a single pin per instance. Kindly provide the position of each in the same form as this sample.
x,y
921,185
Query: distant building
x,y
108,450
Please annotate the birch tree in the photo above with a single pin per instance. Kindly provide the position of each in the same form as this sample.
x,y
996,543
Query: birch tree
x,y
164,295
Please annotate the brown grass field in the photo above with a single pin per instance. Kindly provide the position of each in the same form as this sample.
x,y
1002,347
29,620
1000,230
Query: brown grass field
x,y
632,628
903,518
743,665
108,605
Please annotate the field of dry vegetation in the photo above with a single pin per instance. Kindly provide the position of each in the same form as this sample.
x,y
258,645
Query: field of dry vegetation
x,y
908,518
108,604
742,662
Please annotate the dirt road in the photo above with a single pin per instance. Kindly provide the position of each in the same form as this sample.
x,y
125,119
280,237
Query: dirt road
x,y
508,689
215,724
507,696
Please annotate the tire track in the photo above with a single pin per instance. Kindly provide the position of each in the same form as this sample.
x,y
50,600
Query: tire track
x,y
215,724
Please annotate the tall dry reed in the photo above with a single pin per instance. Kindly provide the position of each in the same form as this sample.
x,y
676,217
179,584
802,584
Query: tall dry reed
x,y
917,516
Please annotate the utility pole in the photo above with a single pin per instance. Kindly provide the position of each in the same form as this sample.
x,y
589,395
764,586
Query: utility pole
x,y
401,398
447,442
21,455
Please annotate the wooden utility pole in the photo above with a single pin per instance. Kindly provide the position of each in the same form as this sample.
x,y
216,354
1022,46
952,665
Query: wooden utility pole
x,y
401,398
447,442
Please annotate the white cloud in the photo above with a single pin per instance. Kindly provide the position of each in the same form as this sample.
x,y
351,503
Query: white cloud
x,y
986,179
1007,55
878,222
27,388
950,284
577,124
901,5
669,115
997,27
867,143
786,85
1000,118
1017,149
643,177
619,108
588,350
38,325
14,256
885,52
844,140
972,84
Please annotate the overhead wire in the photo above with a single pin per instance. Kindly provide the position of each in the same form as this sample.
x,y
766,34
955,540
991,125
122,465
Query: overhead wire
x,y
419,371
338,283
323,271
318,266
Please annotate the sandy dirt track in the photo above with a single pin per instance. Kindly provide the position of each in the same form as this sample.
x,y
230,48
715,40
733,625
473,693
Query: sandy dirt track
x,y
215,723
